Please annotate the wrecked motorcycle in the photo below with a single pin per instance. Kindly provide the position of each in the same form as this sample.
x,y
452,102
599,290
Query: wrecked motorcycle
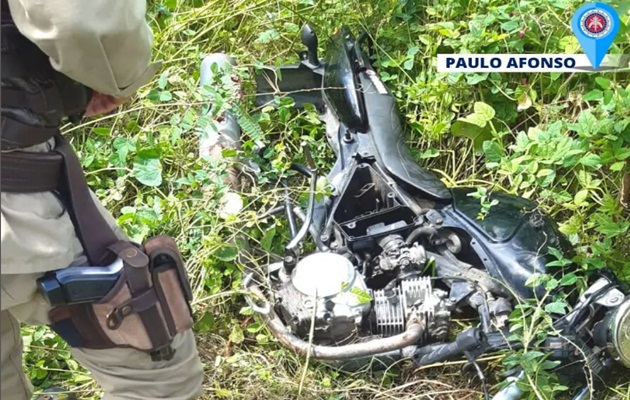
x,y
400,256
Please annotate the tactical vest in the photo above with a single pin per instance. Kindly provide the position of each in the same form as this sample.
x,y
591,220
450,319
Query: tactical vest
x,y
35,97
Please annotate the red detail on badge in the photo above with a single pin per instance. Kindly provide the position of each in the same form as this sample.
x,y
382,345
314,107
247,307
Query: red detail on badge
x,y
595,23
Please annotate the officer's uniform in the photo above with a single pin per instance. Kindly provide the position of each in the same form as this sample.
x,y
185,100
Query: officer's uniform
x,y
106,46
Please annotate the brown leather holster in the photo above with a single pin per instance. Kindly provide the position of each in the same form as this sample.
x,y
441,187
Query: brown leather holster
x,y
150,301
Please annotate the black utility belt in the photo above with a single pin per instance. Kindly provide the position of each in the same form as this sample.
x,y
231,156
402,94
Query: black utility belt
x,y
25,172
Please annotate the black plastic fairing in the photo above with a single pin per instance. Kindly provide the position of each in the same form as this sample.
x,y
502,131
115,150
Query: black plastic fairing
x,y
341,87
297,81
512,240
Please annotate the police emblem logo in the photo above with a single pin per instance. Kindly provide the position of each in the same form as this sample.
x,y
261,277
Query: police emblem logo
x,y
596,23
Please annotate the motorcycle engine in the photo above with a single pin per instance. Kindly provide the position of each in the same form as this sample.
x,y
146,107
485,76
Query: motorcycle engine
x,y
327,295
324,293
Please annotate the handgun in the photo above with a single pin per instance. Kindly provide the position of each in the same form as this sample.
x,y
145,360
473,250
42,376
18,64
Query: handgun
x,y
80,284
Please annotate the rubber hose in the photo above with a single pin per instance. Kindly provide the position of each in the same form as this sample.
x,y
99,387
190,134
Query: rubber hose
x,y
421,231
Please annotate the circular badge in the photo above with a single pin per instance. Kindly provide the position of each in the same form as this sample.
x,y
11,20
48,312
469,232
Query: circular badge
x,y
596,23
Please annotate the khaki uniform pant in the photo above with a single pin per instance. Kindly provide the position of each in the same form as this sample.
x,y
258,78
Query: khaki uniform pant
x,y
37,235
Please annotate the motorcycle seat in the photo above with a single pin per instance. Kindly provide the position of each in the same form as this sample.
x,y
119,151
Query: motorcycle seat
x,y
393,154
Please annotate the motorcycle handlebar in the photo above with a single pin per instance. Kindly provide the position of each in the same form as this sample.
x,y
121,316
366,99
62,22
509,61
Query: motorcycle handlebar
x,y
436,353
469,340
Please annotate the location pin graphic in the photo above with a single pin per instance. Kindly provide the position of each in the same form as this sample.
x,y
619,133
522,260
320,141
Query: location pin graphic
x,y
595,25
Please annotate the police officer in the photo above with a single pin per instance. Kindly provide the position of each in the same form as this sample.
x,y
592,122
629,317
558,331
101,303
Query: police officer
x,y
104,46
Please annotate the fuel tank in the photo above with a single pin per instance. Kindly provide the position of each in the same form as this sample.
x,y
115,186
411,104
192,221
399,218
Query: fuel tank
x,y
512,240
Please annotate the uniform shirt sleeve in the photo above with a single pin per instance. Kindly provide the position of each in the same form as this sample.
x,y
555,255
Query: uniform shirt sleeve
x,y
103,44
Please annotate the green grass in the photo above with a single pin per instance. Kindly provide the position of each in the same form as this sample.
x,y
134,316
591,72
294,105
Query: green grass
x,y
565,146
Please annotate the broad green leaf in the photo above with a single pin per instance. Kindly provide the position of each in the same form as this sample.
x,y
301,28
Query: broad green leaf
x,y
102,131
612,228
580,197
163,80
568,279
552,284
226,253
591,160
594,94
237,335
363,297
267,239
532,355
473,79
255,327
429,153
532,167
472,131
485,111
604,83
524,102
166,96
262,338
608,96
556,253
622,154
247,310
548,180
493,151
556,307
268,36
511,25
148,171
586,125
411,52
535,280
425,39
569,44
621,125
228,153
465,128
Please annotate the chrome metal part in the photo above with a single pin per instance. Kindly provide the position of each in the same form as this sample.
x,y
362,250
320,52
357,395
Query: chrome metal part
x,y
397,253
619,333
325,287
413,299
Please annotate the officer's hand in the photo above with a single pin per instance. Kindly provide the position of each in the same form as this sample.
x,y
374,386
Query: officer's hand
x,y
103,104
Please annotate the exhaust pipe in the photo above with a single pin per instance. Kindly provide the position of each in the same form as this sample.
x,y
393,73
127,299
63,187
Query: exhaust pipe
x,y
375,347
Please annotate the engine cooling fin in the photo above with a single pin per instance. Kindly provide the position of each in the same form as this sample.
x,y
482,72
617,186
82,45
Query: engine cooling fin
x,y
393,307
